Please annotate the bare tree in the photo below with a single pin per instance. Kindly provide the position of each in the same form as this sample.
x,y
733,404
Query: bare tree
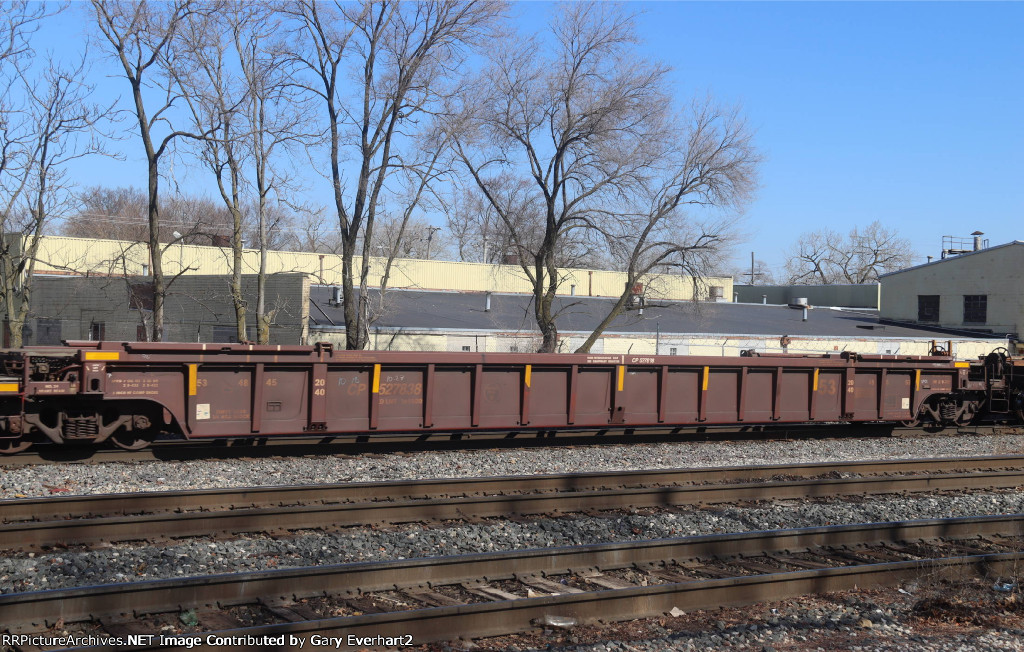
x,y
825,257
709,164
142,37
480,235
276,119
64,122
313,232
53,123
17,145
121,214
217,99
109,214
577,143
408,237
403,57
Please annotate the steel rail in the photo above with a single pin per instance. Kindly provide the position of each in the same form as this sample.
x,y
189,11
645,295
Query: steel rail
x,y
493,619
90,505
28,534
31,611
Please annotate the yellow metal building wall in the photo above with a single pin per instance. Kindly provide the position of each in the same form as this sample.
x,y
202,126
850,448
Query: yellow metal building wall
x,y
63,255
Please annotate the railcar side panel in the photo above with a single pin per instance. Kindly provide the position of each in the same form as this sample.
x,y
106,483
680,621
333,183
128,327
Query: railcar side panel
x,y
280,399
501,393
683,392
758,394
348,398
640,395
549,401
795,396
454,397
398,393
593,396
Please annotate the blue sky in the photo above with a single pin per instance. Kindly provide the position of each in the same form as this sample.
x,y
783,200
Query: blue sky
x,y
908,113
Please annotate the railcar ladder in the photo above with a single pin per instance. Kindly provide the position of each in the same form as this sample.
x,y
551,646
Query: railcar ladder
x,y
998,399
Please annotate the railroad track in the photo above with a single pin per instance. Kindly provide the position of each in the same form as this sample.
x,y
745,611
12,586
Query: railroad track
x,y
425,600
42,522
179,450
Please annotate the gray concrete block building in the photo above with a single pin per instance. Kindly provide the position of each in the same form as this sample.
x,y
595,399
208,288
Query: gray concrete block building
x,y
196,309
846,296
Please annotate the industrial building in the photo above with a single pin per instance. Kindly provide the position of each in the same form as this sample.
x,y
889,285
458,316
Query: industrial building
x,y
458,321
196,309
82,292
60,255
977,290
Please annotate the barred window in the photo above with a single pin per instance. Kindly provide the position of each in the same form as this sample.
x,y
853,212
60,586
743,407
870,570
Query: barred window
x,y
928,307
975,308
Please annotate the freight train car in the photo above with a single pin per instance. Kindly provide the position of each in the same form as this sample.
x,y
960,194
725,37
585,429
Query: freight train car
x,y
128,393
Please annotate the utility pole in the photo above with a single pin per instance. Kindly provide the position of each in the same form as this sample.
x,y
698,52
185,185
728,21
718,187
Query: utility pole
x,y
433,230
752,274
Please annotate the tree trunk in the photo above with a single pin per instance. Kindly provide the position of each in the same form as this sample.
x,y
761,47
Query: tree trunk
x,y
156,253
544,298
236,275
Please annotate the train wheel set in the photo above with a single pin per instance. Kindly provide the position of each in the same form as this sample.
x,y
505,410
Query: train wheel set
x,y
128,394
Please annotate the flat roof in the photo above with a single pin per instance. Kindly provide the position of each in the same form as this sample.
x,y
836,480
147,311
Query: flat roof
x,y
414,309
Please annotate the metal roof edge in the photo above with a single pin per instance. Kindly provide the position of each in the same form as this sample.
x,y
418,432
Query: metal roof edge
x,y
952,258
431,331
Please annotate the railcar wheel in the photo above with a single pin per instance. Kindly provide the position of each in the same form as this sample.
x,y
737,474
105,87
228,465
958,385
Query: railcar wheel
x,y
140,435
13,446
130,441
910,423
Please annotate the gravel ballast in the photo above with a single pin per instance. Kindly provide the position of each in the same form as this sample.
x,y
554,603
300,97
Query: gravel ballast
x,y
44,480
125,563
809,623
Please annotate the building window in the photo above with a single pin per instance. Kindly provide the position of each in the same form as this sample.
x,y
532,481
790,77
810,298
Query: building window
x,y
467,348
928,307
672,350
97,330
140,296
975,308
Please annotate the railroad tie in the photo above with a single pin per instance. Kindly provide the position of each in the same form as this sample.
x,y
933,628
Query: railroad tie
x,y
754,566
607,582
801,563
295,613
218,620
489,592
432,598
545,584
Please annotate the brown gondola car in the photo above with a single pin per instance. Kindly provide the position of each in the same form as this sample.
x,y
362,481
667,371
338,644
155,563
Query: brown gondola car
x,y
127,393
